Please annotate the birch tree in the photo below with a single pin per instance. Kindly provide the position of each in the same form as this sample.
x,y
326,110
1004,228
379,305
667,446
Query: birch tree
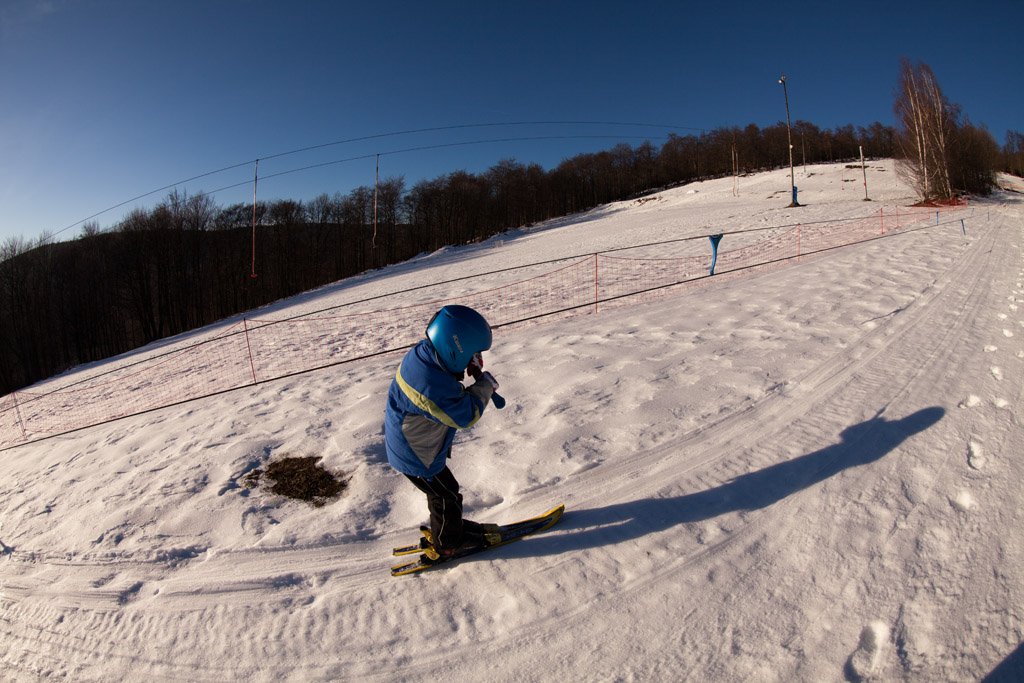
x,y
927,123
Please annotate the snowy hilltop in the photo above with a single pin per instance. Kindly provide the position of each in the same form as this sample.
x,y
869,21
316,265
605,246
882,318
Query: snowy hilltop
x,y
805,470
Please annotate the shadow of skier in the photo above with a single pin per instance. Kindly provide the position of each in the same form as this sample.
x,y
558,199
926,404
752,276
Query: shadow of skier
x,y
860,444
1008,670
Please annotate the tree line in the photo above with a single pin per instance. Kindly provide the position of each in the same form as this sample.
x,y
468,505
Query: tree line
x,y
188,262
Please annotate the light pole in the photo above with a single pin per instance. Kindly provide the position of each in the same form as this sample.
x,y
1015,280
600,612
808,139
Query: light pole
x,y
789,135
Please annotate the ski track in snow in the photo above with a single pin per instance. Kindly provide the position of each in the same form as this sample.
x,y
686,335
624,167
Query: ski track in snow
x,y
809,473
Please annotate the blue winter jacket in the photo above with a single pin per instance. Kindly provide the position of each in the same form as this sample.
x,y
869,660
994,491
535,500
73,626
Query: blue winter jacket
x,y
426,405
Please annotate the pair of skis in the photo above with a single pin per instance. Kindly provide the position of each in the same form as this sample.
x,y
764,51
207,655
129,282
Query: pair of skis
x,y
495,535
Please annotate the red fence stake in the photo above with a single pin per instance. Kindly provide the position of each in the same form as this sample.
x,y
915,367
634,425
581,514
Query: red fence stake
x,y
248,346
17,411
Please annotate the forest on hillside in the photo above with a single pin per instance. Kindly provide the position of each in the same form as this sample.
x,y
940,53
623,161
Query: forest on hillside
x,y
188,262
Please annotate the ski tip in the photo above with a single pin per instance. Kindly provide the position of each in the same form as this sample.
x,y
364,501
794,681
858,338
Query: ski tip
x,y
554,515
411,567
555,511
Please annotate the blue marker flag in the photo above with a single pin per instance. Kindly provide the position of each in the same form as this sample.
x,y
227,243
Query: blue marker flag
x,y
715,239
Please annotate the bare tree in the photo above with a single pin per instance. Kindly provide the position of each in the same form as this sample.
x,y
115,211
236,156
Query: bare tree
x,y
90,229
927,122
1013,153
321,209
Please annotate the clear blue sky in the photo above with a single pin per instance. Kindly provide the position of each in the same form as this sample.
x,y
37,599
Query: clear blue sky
x,y
104,100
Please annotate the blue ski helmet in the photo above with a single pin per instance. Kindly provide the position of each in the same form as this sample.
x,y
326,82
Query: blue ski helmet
x,y
458,332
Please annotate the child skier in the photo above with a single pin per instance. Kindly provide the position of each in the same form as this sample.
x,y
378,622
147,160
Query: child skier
x,y
427,403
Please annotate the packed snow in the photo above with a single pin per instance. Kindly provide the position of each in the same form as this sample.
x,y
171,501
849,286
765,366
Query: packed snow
x,y
809,472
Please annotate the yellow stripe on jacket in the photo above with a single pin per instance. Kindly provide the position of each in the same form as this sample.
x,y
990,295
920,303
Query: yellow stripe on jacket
x,y
428,406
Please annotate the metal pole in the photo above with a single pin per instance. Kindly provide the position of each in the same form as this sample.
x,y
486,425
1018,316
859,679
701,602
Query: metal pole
x,y
698,154
803,152
789,136
865,172
376,185
255,179
735,172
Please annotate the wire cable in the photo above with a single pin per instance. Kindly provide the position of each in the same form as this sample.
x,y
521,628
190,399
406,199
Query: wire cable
x,y
363,138
422,149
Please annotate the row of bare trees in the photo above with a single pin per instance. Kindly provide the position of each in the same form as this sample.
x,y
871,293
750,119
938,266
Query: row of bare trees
x,y
188,262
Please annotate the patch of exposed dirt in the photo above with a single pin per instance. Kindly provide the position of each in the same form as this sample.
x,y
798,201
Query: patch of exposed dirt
x,y
299,478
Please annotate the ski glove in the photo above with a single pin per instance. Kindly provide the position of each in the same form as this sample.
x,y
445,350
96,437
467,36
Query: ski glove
x,y
489,378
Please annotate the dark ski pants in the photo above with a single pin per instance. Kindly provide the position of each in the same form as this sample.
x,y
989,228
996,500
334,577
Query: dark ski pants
x,y
445,505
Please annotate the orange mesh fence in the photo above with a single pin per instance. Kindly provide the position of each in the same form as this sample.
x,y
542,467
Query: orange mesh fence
x,y
263,349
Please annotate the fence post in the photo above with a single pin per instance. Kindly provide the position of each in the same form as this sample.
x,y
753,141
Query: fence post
x,y
17,411
596,296
864,170
248,346
963,226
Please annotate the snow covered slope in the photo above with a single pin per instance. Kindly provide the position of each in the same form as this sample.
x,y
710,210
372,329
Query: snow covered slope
x,y
809,473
